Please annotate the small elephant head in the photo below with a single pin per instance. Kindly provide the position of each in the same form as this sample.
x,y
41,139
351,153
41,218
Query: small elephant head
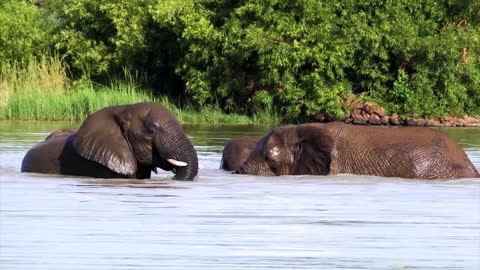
x,y
236,152
59,133
291,150
130,139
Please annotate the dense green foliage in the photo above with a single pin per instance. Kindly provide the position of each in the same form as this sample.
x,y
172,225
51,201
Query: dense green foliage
x,y
25,31
298,58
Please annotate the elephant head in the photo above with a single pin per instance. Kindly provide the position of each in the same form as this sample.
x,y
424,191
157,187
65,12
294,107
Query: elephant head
x,y
294,150
236,152
133,138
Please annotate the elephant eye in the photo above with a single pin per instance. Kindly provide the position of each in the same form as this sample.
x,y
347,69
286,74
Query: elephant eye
x,y
297,147
152,128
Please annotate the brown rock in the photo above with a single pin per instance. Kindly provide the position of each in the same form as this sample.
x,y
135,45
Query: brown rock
x,y
357,105
359,116
471,121
385,120
394,119
355,113
420,122
448,121
359,121
410,122
380,111
433,122
460,122
374,120
452,121
372,107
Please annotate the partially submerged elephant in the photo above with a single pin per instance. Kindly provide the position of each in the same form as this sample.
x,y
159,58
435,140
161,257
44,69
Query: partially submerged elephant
x,y
60,132
337,148
126,141
236,152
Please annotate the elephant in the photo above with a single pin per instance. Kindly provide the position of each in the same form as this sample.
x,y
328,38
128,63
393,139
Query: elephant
x,y
124,141
339,148
60,132
236,151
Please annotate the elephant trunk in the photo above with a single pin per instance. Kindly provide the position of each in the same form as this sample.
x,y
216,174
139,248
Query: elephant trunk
x,y
176,149
255,166
188,156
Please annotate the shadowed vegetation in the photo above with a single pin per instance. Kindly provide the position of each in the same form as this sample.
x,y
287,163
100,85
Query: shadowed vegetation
x,y
250,58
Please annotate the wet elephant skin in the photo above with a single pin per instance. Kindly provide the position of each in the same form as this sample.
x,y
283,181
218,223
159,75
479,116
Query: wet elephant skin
x,y
337,148
126,141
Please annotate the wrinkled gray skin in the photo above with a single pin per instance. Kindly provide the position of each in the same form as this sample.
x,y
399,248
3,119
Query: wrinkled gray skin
x,y
127,141
236,152
337,148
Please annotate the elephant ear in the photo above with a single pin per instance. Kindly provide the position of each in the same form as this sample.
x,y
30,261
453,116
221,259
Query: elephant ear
x,y
314,150
101,139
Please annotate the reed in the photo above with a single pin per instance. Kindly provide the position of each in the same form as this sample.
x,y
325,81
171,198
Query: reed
x,y
41,90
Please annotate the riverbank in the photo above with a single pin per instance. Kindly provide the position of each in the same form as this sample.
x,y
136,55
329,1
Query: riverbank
x,y
76,104
363,113
42,91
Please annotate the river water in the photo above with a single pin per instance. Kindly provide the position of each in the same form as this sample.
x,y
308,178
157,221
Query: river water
x,y
225,221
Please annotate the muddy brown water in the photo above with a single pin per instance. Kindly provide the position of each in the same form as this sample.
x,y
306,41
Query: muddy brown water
x,y
226,221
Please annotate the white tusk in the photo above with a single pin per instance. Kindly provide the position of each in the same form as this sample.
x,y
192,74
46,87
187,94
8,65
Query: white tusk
x,y
176,162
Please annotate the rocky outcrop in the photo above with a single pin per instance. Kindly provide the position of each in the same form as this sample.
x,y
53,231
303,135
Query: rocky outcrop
x,y
370,113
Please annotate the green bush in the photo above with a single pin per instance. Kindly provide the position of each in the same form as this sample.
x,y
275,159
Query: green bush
x,y
305,56
101,39
297,58
25,31
253,49
411,57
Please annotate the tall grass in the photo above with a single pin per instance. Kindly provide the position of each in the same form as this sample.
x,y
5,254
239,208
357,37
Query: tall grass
x,y
41,90
214,115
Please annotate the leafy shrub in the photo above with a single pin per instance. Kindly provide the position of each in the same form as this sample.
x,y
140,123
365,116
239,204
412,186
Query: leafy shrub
x,y
306,56
298,58
24,31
